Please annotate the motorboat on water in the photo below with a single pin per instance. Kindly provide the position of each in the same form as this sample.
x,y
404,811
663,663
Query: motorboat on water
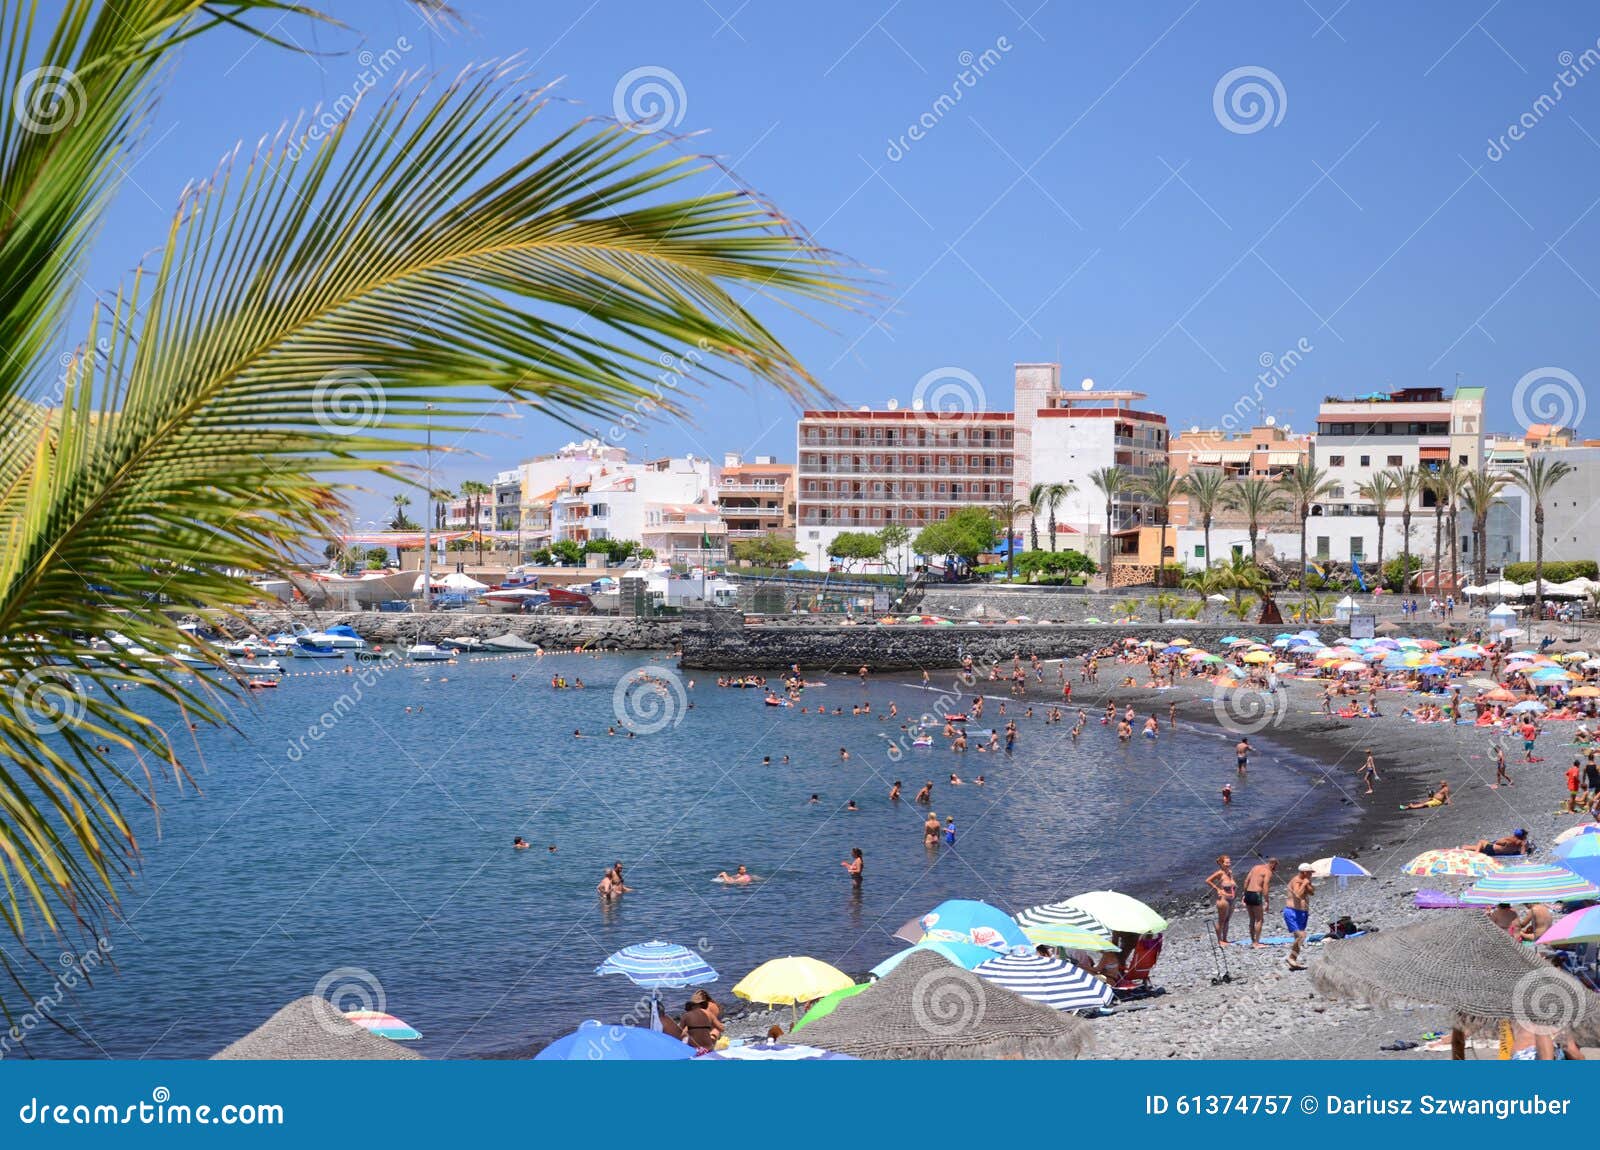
x,y
429,653
265,668
304,648
253,646
463,643
339,636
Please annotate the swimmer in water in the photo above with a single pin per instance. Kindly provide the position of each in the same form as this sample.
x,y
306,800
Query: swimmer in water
x,y
955,781
930,829
814,799
925,795
851,805
894,792
740,875
519,843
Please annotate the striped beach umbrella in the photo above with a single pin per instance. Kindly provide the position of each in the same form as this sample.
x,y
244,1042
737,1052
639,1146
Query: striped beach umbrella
x,y
1579,926
1573,832
1057,984
1062,914
1460,863
384,1025
775,1052
659,965
1530,882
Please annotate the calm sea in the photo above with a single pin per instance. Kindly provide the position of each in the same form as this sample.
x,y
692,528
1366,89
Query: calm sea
x,y
375,856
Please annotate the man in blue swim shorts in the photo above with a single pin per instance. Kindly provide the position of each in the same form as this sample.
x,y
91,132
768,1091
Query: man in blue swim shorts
x,y
1297,914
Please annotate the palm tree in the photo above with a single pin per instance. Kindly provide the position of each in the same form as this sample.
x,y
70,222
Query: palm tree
x,y
1382,492
1304,486
1409,484
1036,500
1160,485
1451,485
1205,488
1479,491
1538,478
441,507
1111,482
1054,495
1257,497
430,253
1439,482
1009,512
473,491
401,521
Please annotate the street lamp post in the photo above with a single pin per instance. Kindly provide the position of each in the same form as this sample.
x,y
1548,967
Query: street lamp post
x,y
427,526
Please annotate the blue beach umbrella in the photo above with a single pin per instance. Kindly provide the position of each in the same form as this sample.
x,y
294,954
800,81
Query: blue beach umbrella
x,y
969,920
659,965
1583,847
597,1042
966,955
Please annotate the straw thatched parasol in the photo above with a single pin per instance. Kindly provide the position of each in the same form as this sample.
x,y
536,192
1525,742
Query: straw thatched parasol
x,y
929,1008
1464,963
311,1029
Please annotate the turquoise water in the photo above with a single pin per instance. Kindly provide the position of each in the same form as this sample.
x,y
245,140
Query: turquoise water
x,y
375,856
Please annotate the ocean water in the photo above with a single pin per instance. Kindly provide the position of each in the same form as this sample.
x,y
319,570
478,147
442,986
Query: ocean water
x,y
372,859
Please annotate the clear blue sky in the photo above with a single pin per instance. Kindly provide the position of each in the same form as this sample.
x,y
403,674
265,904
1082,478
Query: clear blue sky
x,y
1082,202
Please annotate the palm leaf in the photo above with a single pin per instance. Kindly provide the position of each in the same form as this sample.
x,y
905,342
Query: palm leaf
x,y
313,308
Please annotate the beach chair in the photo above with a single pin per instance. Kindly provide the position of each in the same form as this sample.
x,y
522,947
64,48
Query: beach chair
x,y
1135,980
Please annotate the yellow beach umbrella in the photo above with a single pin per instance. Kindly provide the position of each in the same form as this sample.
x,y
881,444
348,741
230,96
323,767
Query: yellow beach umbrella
x,y
1259,657
1068,937
791,981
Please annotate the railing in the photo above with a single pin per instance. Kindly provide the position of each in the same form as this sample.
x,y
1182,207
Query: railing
x,y
751,488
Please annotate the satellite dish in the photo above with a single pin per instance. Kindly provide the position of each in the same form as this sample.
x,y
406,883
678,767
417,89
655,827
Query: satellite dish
x,y
916,405
1195,430
865,407
1087,384
894,405
1272,421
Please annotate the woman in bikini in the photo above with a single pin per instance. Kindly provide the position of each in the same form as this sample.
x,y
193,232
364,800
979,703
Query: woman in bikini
x,y
1227,889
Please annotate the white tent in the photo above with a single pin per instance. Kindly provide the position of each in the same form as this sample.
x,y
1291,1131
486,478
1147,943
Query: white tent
x,y
1500,589
454,581
1571,589
1344,609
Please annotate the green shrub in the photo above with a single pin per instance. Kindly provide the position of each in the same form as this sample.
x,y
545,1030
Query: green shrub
x,y
1555,570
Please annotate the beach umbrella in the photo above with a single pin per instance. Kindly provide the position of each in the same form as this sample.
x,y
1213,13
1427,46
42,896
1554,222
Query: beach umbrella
x,y
1258,657
1062,914
1573,832
1530,882
791,981
1460,863
1059,985
1500,695
383,1025
312,1028
1528,707
1120,911
599,1042
1181,642
826,1005
1584,692
659,965
929,1009
775,1052
1340,868
1464,964
964,954
970,920
1070,937
1579,926
1484,684
1352,667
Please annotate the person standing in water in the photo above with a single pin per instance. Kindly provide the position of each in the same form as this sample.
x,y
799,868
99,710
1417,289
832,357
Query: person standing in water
x,y
853,866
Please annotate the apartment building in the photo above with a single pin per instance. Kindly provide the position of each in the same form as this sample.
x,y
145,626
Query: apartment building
x,y
863,470
756,497
612,502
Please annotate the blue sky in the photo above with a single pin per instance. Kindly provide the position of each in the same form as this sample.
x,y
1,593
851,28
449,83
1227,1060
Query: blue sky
x,y
1084,201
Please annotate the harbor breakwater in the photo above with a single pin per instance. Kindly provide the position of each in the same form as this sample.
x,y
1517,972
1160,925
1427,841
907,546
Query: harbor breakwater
x,y
553,632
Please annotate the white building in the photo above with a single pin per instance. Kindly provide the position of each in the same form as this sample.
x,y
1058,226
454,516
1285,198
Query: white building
x,y
613,501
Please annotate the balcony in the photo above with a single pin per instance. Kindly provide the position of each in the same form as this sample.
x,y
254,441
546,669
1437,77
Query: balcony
x,y
750,488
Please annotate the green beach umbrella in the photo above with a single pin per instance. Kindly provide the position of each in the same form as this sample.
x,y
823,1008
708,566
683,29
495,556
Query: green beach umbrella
x,y
827,1004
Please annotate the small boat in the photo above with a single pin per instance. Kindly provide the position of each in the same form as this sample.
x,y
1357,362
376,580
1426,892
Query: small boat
x,y
261,684
462,643
428,653
306,649
340,636
253,667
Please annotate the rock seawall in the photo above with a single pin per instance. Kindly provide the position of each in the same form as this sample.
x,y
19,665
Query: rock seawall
x,y
720,640
555,632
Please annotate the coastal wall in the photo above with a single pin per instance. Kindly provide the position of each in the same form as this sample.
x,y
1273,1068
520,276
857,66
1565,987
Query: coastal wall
x,y
720,640
555,632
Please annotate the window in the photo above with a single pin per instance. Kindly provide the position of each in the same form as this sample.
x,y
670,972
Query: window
x,y
1322,546
1366,461
1397,461
1461,459
1199,550
1357,549
1335,461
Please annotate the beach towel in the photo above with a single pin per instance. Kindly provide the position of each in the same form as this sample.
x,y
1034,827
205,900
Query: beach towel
x,y
1284,939
1436,900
